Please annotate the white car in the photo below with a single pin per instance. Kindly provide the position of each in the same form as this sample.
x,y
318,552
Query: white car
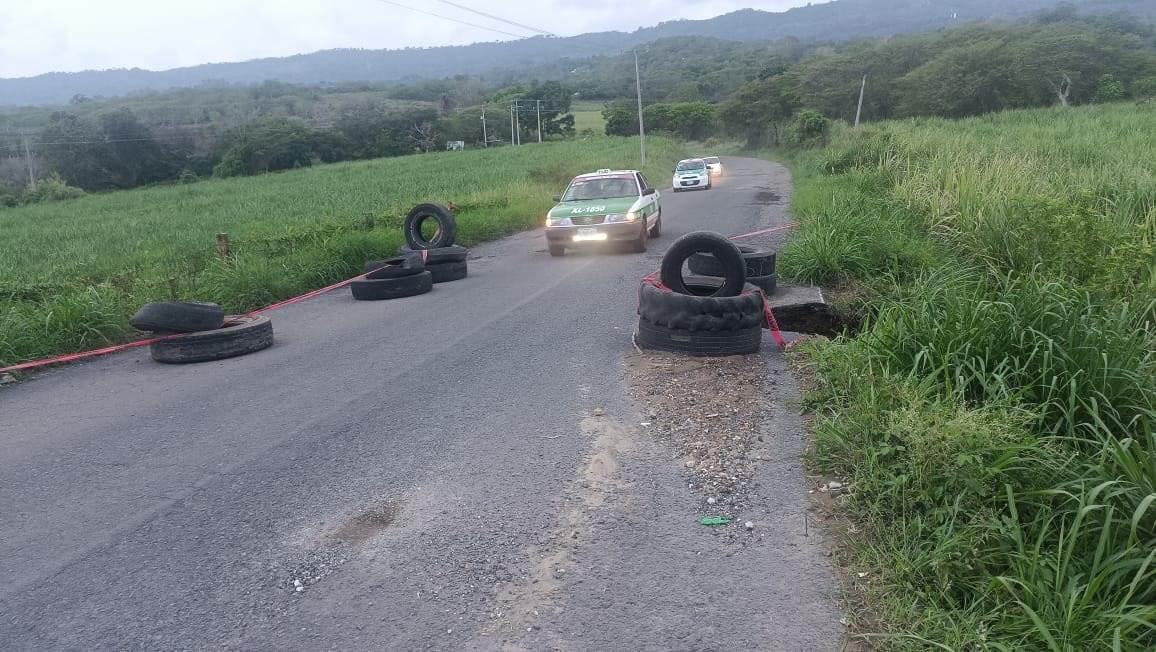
x,y
691,174
714,164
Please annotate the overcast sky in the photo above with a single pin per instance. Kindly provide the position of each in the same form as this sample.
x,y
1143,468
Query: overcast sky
x,y
38,36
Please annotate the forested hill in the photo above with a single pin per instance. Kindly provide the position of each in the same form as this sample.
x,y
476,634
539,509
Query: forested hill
x,y
833,21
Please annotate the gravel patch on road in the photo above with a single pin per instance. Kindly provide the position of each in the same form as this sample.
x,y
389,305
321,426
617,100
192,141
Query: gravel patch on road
x,y
711,412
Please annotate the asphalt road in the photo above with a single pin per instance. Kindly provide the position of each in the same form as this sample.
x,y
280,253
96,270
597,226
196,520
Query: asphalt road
x,y
417,465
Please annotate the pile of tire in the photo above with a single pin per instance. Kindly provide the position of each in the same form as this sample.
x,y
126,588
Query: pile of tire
x,y
200,332
701,315
420,264
760,267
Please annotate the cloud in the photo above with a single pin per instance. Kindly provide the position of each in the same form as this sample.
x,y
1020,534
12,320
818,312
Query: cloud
x,y
70,35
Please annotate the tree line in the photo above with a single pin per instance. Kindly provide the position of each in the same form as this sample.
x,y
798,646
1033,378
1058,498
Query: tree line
x,y
113,150
694,88
1058,58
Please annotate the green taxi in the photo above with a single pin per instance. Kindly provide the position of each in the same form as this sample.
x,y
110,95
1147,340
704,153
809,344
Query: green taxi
x,y
607,206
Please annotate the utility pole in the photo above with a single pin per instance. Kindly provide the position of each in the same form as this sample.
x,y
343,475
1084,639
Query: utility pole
x,y
28,160
511,124
641,129
859,111
518,121
485,137
538,105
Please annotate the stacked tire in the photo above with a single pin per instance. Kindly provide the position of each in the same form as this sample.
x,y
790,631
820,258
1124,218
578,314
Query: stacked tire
x,y
445,261
200,332
425,261
759,264
392,278
701,316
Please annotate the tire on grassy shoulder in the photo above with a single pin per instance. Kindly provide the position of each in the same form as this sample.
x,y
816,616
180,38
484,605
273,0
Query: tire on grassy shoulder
x,y
240,336
759,261
695,312
446,272
743,341
395,267
450,254
723,250
378,289
178,317
444,236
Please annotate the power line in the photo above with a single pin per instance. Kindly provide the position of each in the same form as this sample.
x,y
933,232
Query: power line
x,y
497,18
454,20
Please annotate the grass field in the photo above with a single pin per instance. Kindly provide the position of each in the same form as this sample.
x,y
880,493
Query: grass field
x,y
73,272
588,116
996,416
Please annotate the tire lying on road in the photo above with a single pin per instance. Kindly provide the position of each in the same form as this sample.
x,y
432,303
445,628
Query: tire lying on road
x,y
695,312
724,251
178,317
443,236
238,336
377,289
741,341
395,267
759,262
446,272
450,254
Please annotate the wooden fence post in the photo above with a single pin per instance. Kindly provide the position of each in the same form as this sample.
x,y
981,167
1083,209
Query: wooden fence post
x,y
223,245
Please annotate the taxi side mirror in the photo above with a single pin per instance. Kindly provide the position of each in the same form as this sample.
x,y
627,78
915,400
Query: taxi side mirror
x,y
557,198
649,191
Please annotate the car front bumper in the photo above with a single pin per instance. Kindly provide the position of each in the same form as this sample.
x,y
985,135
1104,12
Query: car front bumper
x,y
694,182
579,236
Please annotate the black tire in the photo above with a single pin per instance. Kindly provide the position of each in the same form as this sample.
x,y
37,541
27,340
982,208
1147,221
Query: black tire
x,y
240,336
397,267
557,250
657,230
178,317
768,284
759,261
703,314
638,246
391,288
446,272
447,227
743,341
450,254
722,249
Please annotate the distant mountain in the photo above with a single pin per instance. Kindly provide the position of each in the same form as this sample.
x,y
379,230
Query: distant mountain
x,y
833,21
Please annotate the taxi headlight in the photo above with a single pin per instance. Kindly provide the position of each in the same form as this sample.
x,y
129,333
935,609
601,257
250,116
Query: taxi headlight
x,y
618,218
558,221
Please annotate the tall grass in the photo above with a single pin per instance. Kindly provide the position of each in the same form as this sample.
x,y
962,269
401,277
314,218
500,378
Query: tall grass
x,y
996,415
72,272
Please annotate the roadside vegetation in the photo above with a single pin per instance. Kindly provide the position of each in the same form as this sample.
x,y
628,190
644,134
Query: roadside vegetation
x,y
995,417
74,271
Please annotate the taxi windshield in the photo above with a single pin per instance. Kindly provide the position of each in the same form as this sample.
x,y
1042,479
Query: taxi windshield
x,y
687,166
603,188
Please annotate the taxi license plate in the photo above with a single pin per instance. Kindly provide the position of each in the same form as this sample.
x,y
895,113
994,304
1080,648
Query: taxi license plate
x,y
586,234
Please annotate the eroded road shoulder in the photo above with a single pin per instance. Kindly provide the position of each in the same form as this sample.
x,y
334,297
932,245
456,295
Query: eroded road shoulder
x,y
629,553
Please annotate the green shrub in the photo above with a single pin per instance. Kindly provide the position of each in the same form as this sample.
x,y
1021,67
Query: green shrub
x,y
808,129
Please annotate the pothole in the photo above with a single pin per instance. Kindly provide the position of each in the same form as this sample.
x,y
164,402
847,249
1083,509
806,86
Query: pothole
x,y
768,197
321,550
365,525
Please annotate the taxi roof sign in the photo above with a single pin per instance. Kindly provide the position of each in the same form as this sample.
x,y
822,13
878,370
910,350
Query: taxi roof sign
x,y
604,171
